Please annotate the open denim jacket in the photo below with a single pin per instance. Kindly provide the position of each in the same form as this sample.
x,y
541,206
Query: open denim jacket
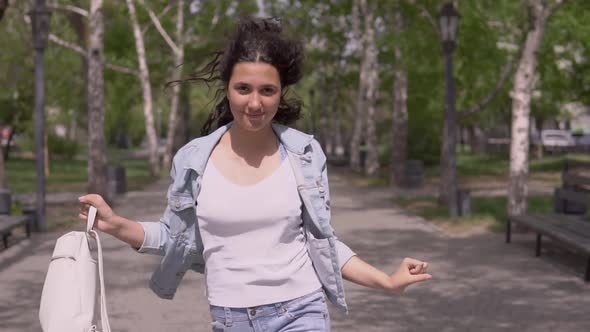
x,y
177,237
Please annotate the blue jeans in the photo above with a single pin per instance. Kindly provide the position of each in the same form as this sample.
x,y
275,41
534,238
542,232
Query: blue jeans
x,y
307,313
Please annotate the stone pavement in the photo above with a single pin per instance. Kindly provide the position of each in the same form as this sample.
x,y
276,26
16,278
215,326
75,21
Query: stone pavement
x,y
479,284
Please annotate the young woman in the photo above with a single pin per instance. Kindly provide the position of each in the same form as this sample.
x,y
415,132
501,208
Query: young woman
x,y
249,203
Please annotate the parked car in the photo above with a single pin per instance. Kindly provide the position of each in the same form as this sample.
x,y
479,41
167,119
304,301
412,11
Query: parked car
x,y
557,138
583,139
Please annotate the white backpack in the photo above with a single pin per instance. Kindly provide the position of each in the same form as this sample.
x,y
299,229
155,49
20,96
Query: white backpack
x,y
70,290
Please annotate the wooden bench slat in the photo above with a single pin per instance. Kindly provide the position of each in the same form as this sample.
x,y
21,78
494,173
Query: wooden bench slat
x,y
9,222
573,163
568,229
573,179
574,196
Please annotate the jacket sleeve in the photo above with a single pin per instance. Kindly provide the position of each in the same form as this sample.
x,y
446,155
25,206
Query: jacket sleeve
x,y
157,234
343,251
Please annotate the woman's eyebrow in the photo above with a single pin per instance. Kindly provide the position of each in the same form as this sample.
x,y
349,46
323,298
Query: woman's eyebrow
x,y
269,86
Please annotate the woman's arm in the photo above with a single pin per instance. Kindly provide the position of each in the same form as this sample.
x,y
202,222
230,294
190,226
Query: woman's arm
x,y
410,271
107,221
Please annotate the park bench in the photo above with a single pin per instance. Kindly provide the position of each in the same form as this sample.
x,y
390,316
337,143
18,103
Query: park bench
x,y
567,226
8,223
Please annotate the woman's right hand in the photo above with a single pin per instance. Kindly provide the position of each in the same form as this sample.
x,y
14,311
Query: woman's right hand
x,y
105,217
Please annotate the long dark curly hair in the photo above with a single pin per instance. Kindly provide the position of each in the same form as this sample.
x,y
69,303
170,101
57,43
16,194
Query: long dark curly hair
x,y
254,40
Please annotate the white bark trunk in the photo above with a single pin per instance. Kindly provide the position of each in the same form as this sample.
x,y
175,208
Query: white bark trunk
x,y
399,144
178,60
97,163
357,130
323,108
144,77
372,86
521,97
334,137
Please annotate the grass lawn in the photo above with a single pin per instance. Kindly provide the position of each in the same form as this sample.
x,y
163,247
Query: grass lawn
x,y
487,211
69,175
473,165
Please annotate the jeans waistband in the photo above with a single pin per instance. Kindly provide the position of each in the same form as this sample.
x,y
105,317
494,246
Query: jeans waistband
x,y
244,314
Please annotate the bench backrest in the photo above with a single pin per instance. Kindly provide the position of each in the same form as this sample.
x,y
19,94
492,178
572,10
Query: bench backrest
x,y
574,195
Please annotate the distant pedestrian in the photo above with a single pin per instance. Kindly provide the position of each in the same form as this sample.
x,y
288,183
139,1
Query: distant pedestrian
x,y
249,203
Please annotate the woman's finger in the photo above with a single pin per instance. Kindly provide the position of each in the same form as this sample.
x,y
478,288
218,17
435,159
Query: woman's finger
x,y
411,262
421,277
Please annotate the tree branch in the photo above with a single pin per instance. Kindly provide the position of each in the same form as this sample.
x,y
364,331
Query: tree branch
x,y
159,27
67,44
549,10
164,12
68,8
484,102
426,14
82,52
121,69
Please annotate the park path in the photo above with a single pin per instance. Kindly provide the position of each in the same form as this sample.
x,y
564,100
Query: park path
x,y
479,284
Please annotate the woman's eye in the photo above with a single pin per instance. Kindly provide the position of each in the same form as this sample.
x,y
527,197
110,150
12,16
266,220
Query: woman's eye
x,y
268,91
242,89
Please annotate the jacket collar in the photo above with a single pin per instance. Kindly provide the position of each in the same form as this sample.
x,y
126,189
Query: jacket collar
x,y
293,140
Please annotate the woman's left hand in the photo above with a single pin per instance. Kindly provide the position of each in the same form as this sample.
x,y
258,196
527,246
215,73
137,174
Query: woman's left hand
x,y
409,272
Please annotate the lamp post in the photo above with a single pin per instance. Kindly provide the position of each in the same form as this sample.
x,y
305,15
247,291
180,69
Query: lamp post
x,y
449,19
40,27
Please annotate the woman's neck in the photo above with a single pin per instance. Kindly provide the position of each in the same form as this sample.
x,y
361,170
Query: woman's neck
x,y
252,144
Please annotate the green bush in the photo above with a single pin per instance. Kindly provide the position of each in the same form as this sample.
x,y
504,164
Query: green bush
x,y
62,147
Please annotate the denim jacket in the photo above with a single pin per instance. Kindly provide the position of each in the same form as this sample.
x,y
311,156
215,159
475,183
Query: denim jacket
x,y
177,237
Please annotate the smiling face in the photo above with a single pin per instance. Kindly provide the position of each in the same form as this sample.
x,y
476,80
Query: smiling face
x,y
254,94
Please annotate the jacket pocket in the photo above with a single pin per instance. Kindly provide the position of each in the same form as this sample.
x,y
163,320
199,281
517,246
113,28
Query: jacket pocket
x,y
180,201
183,214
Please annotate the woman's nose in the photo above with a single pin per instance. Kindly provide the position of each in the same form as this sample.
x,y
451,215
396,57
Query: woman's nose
x,y
254,103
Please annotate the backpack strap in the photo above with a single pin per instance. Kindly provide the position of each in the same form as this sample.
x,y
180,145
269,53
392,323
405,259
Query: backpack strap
x,y
104,316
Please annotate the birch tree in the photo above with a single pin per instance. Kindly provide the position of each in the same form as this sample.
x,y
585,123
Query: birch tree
x,y
358,121
372,88
399,144
539,13
144,77
177,48
97,163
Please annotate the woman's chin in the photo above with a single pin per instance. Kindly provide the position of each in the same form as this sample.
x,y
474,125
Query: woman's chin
x,y
255,124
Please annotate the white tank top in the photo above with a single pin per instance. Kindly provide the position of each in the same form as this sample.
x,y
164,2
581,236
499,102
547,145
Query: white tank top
x,y
254,247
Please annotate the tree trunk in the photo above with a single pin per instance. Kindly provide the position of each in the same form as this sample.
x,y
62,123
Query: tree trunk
x,y
323,121
521,97
97,162
178,60
144,76
334,146
539,146
358,123
3,6
372,162
372,85
183,126
399,144
79,26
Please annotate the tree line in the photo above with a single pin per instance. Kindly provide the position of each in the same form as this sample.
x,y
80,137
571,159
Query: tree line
x,y
373,92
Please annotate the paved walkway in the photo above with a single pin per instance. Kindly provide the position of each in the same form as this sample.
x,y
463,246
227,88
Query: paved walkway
x,y
479,284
